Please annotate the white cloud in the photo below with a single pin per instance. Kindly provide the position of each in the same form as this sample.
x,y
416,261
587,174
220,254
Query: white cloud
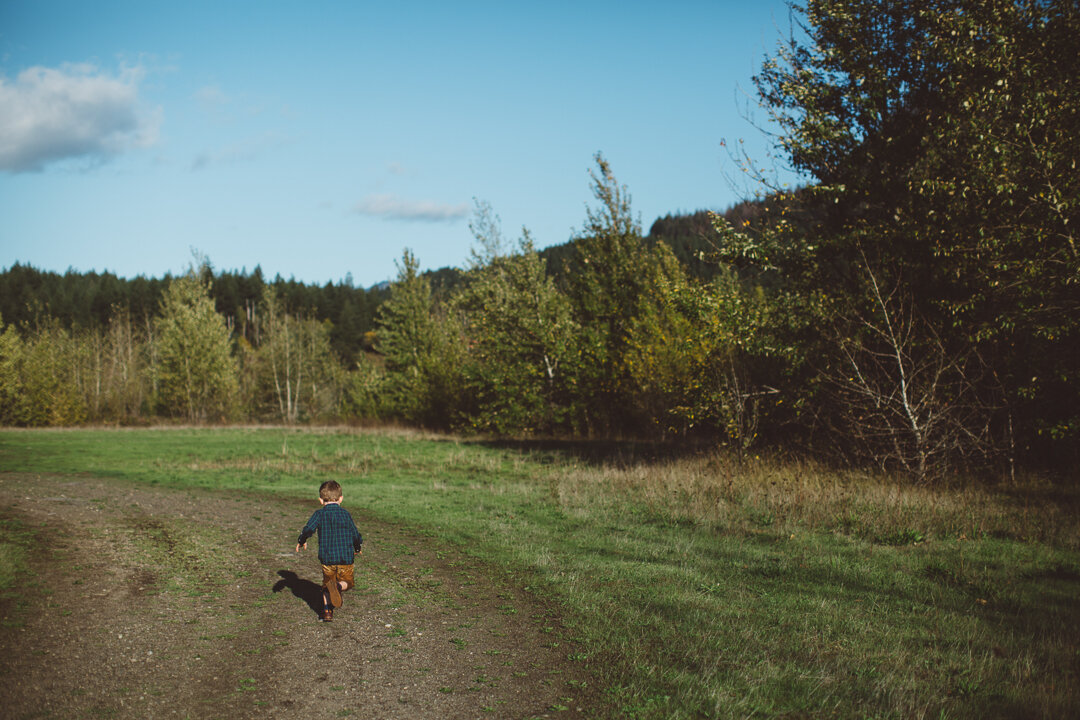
x,y
392,207
75,111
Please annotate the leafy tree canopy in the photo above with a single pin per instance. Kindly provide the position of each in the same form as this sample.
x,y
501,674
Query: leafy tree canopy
x,y
941,135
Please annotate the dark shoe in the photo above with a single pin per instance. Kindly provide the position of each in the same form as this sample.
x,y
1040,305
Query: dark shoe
x,y
328,614
334,592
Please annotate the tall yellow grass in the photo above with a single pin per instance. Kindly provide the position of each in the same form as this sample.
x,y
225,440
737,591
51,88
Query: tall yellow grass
x,y
719,491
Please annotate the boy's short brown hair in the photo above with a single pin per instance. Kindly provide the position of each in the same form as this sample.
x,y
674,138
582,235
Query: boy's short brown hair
x,y
330,491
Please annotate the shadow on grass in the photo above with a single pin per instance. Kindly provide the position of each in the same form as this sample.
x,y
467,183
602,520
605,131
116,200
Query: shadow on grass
x,y
309,592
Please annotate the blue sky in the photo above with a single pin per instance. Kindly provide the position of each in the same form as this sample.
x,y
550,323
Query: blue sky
x,y
323,138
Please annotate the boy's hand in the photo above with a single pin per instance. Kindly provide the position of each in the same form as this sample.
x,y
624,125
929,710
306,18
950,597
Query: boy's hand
x,y
300,547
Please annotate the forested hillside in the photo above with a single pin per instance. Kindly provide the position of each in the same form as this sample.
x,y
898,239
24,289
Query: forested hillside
x,y
77,300
88,301
914,307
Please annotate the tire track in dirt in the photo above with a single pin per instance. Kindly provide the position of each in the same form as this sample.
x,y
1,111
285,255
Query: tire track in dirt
x,y
146,602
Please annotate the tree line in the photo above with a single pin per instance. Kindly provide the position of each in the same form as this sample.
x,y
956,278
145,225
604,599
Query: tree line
x,y
912,306
90,347
87,301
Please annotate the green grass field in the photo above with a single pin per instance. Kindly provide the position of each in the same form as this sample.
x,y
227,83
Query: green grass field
x,y
700,587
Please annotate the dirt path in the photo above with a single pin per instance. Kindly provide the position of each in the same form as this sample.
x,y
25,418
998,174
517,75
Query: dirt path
x,y
153,603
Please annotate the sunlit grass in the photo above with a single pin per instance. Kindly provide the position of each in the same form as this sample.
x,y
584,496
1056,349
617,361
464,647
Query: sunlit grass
x,y
699,587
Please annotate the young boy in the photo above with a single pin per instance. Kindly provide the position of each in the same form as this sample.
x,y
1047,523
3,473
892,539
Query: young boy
x,y
339,542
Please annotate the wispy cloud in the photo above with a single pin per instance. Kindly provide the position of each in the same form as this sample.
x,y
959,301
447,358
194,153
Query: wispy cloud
x,y
211,98
391,207
75,111
244,151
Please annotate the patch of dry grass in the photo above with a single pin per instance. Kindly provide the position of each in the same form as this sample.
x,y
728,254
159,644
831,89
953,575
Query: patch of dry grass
x,y
719,492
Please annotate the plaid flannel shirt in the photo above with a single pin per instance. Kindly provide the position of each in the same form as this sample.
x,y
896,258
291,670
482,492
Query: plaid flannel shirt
x,y
339,539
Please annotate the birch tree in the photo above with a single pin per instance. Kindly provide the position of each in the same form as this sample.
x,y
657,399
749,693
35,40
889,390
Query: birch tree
x,y
295,354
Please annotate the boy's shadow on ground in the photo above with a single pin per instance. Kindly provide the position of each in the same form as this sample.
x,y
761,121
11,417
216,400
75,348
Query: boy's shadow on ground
x,y
306,590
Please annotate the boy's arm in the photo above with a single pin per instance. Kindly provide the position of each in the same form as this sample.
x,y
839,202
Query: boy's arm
x,y
308,531
358,539
301,542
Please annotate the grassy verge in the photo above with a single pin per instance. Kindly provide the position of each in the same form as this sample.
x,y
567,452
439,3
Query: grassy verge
x,y
12,552
15,542
701,588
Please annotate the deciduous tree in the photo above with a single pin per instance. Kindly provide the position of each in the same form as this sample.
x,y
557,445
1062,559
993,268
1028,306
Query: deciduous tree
x,y
39,377
611,280
519,335
940,140
197,374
